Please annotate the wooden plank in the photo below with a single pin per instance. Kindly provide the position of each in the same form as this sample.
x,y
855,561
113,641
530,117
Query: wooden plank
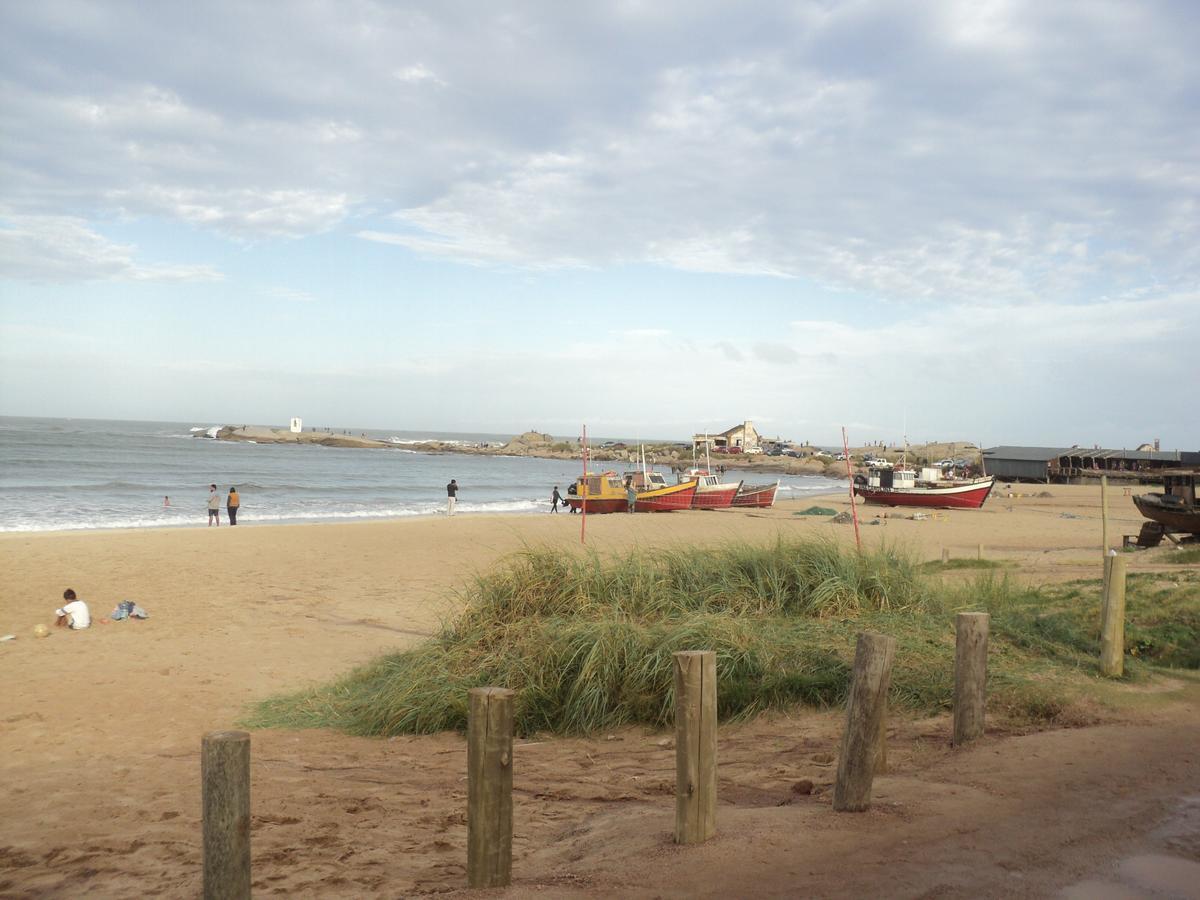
x,y
695,745
489,787
865,710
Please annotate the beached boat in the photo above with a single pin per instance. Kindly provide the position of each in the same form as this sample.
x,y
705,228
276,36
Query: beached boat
x,y
903,487
711,491
654,494
1175,508
759,496
608,493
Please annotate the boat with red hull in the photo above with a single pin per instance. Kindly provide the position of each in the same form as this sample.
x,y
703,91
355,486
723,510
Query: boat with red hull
x,y
901,487
756,496
711,492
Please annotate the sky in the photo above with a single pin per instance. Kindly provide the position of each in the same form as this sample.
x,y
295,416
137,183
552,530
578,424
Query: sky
x,y
955,220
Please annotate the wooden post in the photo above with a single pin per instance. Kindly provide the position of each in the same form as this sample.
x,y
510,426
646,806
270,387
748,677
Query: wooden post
x,y
225,814
695,746
489,787
970,675
979,552
1112,638
864,710
945,555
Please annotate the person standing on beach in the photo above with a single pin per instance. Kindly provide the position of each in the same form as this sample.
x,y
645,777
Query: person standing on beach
x,y
555,499
232,502
451,496
214,506
631,495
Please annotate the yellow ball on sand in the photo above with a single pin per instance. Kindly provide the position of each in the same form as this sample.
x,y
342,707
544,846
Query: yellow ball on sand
x,y
41,631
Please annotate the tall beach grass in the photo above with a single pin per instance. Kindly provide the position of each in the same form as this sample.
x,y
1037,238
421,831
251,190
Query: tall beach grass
x,y
586,640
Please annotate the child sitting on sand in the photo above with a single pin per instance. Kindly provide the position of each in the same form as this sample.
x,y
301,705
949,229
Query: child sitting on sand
x,y
74,613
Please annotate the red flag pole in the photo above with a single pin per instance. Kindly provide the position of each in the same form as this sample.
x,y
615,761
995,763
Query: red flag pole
x,y
850,475
583,493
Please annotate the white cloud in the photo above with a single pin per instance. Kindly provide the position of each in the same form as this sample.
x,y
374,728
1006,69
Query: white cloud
x,y
65,249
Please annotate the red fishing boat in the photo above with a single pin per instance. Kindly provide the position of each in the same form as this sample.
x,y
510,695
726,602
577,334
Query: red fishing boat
x,y
655,495
760,496
903,487
711,491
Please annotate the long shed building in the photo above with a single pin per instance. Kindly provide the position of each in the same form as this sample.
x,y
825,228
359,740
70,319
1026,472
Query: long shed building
x,y
1074,464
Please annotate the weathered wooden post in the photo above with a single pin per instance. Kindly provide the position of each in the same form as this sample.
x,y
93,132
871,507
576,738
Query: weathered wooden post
x,y
489,787
945,555
970,675
865,708
1112,637
695,746
979,551
225,814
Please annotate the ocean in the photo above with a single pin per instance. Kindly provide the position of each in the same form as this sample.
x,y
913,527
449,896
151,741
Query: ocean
x,y
79,474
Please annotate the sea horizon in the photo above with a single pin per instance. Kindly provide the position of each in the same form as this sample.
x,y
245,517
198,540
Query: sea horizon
x,y
75,474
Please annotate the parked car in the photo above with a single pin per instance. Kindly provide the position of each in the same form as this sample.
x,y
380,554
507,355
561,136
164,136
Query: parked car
x,y
841,456
753,450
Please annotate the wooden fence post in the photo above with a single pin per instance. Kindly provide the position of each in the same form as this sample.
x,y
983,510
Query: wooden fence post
x,y
970,675
695,746
945,555
864,711
225,814
1112,636
979,551
489,787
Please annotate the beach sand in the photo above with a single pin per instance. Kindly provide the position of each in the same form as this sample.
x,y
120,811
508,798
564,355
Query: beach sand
x,y
100,730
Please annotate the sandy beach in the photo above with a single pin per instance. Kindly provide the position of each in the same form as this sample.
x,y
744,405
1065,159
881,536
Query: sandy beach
x,y
100,737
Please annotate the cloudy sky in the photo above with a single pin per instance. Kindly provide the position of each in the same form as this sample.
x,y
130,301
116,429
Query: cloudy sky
x,y
981,218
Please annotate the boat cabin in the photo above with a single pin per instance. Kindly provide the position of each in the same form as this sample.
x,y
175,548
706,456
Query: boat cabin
x,y
703,476
596,486
892,479
645,481
1181,483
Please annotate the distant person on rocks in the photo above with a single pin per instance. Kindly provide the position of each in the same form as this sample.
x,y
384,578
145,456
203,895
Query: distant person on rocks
x,y
74,612
451,496
232,503
555,499
214,506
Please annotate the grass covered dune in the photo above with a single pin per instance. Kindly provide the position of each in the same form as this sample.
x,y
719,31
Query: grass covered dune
x,y
586,641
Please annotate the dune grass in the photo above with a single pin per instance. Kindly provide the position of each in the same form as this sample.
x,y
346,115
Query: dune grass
x,y
1187,557
586,641
936,565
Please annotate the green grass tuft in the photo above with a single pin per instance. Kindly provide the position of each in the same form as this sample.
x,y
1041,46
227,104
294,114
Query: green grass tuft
x,y
586,641
937,566
1184,557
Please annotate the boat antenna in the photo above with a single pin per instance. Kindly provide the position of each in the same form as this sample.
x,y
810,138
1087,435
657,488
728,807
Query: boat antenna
x,y
707,458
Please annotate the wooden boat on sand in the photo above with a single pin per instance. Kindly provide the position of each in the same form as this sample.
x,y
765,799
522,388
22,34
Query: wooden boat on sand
x,y
756,496
1175,508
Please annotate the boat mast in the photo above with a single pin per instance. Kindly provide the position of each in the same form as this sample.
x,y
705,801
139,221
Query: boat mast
x,y
583,492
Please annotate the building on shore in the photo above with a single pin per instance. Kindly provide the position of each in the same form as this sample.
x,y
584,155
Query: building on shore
x,y
1073,465
744,437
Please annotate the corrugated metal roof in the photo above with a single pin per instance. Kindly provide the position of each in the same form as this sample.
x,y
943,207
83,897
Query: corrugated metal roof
x,y
1049,453
1044,454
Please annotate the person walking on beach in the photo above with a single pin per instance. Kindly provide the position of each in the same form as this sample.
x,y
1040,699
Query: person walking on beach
x,y
451,496
555,499
232,502
631,495
214,506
